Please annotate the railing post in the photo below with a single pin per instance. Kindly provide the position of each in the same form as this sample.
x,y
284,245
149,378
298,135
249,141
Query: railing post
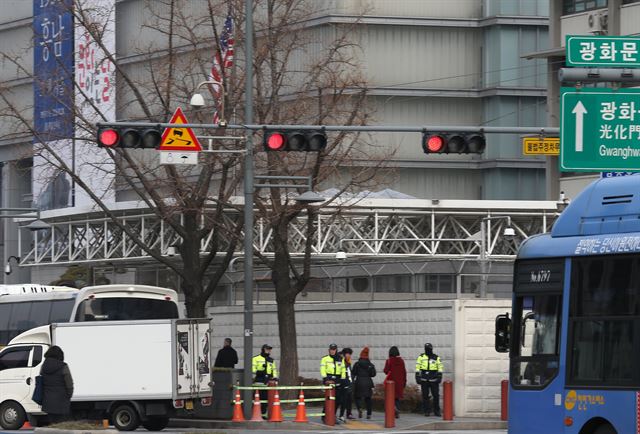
x,y
447,400
389,404
330,407
504,400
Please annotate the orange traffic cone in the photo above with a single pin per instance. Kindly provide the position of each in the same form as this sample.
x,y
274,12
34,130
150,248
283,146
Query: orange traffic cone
x,y
237,408
257,411
301,411
27,425
276,412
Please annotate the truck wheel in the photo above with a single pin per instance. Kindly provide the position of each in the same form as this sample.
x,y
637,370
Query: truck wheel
x,y
12,415
156,423
125,418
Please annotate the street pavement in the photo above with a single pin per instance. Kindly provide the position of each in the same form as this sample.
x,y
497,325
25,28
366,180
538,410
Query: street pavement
x,y
406,424
337,430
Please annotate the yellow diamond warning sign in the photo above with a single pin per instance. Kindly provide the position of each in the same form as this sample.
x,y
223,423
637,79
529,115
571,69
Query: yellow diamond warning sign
x,y
179,139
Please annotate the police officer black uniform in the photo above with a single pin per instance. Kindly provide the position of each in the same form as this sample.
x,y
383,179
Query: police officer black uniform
x,y
429,376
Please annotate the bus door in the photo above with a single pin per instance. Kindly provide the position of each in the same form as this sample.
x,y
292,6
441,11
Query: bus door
x,y
535,398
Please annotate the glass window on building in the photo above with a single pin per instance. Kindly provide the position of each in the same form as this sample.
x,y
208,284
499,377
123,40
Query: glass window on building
x,y
393,287
575,6
439,284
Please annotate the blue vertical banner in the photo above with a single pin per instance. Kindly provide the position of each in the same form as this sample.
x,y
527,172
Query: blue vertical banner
x,y
53,29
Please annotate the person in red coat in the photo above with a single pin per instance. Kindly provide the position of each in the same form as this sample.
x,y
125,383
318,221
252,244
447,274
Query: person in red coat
x,y
396,372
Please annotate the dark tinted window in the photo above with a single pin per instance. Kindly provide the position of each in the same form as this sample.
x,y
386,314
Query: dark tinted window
x,y
605,286
40,311
37,356
20,319
61,310
574,6
15,358
122,309
604,322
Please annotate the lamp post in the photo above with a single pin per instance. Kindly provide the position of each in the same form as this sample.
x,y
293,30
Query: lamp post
x,y
197,100
508,232
36,225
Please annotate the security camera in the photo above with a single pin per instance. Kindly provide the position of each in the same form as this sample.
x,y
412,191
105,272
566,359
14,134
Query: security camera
x,y
341,256
509,232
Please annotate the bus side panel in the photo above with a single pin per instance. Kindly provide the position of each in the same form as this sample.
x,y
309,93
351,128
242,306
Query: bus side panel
x,y
537,411
620,408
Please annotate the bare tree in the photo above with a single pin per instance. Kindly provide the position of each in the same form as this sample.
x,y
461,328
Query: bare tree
x,y
301,80
194,202
304,74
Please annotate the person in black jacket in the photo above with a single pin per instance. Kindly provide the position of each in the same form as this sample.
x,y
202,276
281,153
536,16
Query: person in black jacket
x,y
227,356
363,372
57,385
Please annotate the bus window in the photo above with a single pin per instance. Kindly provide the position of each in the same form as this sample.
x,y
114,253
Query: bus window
x,y
604,320
40,312
122,309
20,319
61,310
5,314
535,361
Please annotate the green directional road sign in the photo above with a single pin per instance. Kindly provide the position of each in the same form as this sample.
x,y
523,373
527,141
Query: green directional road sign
x,y
603,51
600,130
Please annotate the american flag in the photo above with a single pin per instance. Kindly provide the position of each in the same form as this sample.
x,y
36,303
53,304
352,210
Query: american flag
x,y
223,59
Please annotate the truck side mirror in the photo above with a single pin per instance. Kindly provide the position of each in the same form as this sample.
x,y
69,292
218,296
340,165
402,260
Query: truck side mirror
x,y
503,333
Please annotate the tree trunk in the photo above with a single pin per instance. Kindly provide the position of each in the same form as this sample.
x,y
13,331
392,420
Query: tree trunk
x,y
194,301
288,341
285,299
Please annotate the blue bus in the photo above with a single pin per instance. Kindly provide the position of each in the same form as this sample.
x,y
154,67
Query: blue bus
x,y
574,333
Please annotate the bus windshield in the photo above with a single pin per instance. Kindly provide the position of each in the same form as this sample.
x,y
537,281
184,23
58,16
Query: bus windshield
x,y
129,308
538,319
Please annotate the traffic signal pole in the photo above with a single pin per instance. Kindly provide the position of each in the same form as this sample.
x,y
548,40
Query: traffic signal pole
x,y
554,131
248,207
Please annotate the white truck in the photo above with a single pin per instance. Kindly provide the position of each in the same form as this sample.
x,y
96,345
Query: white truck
x,y
131,372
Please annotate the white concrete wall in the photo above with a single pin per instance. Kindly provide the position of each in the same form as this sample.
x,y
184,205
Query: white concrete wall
x,y
479,369
460,330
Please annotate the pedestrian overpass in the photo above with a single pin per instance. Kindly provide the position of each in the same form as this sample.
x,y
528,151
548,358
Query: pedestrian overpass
x,y
368,229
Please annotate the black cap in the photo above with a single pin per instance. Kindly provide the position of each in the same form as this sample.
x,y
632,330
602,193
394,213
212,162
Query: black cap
x,y
333,347
267,346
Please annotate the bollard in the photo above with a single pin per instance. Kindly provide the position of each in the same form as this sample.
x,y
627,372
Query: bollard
x,y
504,400
389,404
330,407
271,393
447,400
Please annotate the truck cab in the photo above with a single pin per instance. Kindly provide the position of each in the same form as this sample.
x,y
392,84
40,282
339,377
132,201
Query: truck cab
x,y
19,365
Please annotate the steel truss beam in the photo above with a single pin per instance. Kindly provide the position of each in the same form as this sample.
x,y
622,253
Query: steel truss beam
x,y
427,232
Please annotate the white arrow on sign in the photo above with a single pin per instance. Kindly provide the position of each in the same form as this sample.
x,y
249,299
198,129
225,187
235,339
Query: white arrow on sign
x,y
579,111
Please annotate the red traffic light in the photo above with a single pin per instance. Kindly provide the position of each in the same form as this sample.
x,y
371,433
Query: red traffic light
x,y
295,141
453,143
108,138
434,143
275,142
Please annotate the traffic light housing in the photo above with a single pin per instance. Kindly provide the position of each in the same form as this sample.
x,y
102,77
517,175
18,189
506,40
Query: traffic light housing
x,y
130,138
453,143
294,141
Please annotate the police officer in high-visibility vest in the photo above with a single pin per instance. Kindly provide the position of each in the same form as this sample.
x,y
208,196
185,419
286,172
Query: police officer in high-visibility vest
x,y
264,370
333,371
429,376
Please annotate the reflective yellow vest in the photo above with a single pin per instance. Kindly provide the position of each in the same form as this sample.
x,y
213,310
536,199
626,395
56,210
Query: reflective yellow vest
x,y
264,369
429,368
331,369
